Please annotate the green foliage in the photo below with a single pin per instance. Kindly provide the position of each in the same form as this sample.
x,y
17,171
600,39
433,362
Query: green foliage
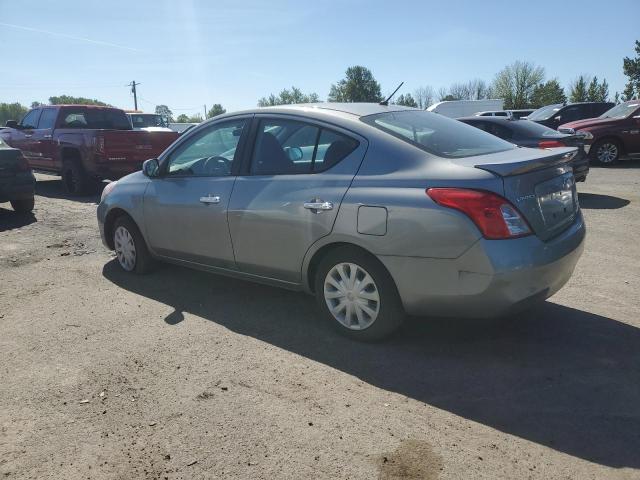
x,y
164,111
359,85
182,118
36,104
407,100
69,100
631,68
579,90
216,110
547,93
11,111
288,97
515,84
597,92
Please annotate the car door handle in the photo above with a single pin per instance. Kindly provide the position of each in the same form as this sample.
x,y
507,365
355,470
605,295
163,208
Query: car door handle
x,y
318,206
210,199
47,136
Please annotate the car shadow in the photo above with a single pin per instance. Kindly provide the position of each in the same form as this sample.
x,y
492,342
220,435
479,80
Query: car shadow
x,y
594,201
54,188
10,220
558,376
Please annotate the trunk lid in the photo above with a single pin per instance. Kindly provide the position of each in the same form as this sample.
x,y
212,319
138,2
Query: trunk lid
x,y
539,183
133,146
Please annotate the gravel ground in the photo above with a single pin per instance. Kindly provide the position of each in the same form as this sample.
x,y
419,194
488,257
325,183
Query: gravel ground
x,y
182,374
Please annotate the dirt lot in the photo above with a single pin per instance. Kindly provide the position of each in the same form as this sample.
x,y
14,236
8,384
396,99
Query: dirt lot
x,y
181,374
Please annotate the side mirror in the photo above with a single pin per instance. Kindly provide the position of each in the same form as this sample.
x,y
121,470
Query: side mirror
x,y
151,168
11,124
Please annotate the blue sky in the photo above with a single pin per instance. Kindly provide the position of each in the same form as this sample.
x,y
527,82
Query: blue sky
x,y
187,53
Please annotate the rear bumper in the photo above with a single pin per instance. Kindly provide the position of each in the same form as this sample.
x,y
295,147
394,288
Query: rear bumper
x,y
492,278
19,187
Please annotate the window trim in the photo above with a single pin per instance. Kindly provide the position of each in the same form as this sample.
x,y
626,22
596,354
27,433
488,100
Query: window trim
x,y
203,129
321,126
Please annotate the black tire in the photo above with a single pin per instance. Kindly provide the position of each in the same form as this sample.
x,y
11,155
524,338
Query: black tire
x,y
75,179
143,262
605,152
24,205
390,314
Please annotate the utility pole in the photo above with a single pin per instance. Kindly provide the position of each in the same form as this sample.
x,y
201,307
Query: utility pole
x,y
205,111
135,96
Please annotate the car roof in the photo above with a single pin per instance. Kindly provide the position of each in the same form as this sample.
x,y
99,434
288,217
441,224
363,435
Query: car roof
x,y
356,109
496,119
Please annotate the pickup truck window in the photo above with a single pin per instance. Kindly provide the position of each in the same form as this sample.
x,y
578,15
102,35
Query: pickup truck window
x,y
90,118
48,118
30,120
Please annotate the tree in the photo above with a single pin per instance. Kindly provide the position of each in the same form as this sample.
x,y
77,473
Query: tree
x,y
547,94
182,118
515,83
578,90
358,85
69,100
631,68
164,111
407,100
442,94
216,110
597,92
424,96
11,111
288,97
197,118
36,104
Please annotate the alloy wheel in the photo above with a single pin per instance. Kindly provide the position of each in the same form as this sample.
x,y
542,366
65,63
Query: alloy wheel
x,y
352,296
607,153
125,248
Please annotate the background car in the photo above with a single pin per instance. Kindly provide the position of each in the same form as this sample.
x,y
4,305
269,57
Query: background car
x,y
17,183
525,133
613,134
553,116
376,210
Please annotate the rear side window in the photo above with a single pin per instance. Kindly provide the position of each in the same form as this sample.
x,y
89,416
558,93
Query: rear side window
x,y
95,118
48,118
437,134
286,147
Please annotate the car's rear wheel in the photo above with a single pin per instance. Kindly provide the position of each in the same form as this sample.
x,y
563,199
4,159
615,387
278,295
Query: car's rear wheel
x,y
131,249
75,179
357,295
606,152
24,205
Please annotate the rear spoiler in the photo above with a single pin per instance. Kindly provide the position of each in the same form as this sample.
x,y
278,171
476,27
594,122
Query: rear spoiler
x,y
518,167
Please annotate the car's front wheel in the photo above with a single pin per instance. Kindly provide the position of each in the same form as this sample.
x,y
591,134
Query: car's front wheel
x,y
131,249
357,295
606,152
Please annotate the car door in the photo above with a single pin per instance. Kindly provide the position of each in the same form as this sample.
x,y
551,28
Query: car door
x,y
21,138
630,133
289,192
41,140
185,208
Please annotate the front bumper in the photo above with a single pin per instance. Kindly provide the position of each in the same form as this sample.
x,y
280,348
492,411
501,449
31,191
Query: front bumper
x,y
493,278
18,187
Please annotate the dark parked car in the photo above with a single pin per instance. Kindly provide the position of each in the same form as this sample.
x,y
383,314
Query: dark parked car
x,y
17,183
525,133
614,133
555,115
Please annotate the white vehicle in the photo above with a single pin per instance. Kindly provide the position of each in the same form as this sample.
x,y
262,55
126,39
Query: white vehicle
x,y
182,127
465,108
150,122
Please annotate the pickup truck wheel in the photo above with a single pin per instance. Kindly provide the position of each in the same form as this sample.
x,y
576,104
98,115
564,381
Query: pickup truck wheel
x,y
606,152
75,179
24,205
131,249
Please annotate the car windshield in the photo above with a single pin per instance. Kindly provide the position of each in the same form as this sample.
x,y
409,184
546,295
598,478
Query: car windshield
x,y
437,134
143,120
621,111
544,112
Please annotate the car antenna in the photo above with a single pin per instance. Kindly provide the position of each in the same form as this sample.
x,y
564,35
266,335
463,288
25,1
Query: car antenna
x,y
385,103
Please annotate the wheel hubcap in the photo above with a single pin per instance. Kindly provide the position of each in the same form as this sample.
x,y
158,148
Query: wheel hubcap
x,y
607,153
125,248
352,296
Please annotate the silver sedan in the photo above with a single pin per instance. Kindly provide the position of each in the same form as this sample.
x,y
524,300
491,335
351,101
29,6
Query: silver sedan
x,y
379,211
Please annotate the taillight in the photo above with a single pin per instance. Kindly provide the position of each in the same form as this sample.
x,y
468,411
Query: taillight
x,y
100,144
495,216
550,144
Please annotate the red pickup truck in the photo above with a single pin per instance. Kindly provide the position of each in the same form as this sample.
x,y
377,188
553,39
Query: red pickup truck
x,y
613,134
85,144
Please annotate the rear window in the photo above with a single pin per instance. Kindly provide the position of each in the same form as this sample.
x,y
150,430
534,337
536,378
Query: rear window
x,y
438,135
94,118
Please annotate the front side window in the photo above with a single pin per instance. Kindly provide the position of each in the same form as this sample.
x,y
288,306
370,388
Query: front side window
x,y
286,147
209,153
570,114
437,134
30,120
